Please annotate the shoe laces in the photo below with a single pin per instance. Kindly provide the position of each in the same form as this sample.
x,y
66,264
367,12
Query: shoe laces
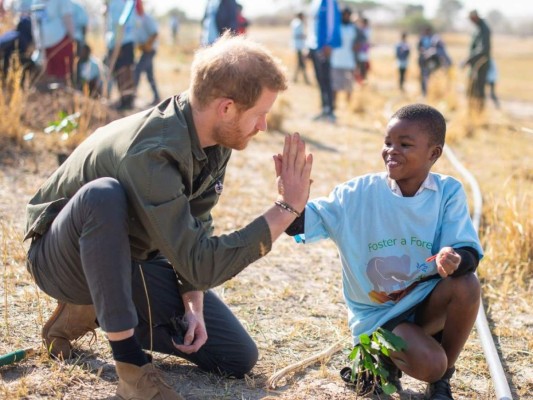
x,y
93,338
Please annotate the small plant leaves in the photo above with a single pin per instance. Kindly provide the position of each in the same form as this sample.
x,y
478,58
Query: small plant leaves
x,y
366,361
364,339
390,340
388,388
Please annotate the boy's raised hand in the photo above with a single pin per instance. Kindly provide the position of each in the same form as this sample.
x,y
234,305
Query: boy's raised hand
x,y
447,261
293,172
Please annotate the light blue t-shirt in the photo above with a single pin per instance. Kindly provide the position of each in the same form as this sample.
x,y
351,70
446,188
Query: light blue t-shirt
x,y
344,57
384,239
115,8
80,19
145,26
47,21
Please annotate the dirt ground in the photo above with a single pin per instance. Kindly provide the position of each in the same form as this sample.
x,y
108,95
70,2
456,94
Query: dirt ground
x,y
290,301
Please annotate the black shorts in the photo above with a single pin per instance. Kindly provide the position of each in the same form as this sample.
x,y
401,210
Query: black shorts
x,y
408,315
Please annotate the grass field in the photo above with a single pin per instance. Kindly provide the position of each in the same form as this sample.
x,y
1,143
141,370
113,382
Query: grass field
x,y
291,300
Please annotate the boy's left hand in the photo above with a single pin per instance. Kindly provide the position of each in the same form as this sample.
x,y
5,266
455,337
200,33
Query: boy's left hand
x,y
447,261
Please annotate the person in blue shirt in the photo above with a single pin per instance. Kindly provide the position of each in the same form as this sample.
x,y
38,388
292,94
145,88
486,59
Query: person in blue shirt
x,y
432,55
324,35
402,57
146,38
408,250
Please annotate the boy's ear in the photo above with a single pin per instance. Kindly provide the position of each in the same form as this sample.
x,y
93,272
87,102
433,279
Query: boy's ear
x,y
436,152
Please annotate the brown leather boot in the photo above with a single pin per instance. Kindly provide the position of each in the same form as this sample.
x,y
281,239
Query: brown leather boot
x,y
68,322
143,382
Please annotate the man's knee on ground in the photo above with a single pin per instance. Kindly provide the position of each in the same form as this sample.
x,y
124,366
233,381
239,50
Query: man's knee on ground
x,y
235,363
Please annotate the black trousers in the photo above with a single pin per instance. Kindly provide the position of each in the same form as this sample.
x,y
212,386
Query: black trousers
x,y
322,68
85,258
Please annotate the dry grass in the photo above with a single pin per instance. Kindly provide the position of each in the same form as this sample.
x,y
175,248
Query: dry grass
x,y
291,300
12,100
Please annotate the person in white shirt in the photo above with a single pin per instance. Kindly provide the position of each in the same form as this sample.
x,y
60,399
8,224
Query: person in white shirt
x,y
343,58
298,43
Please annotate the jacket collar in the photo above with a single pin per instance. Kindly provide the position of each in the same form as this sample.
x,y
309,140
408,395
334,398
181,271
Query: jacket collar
x,y
183,104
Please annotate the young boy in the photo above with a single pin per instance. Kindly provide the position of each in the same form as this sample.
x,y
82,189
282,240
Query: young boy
x,y
387,226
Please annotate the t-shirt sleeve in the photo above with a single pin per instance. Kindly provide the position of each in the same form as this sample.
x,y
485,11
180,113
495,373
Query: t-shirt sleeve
x,y
323,216
457,229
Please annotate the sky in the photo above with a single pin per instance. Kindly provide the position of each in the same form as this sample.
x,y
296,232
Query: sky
x,y
254,8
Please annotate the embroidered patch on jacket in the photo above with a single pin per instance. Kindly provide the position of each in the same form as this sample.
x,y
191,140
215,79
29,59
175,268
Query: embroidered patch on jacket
x,y
219,187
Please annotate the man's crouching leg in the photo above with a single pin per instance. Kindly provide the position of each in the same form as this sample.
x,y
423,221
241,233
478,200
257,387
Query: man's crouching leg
x,y
85,257
229,350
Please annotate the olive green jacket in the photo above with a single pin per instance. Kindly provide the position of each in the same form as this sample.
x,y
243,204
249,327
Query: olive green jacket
x,y
171,184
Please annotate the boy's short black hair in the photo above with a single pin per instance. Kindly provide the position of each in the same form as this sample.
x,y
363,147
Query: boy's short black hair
x,y
429,119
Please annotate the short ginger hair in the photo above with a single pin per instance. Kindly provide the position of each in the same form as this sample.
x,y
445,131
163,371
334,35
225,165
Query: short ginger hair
x,y
236,68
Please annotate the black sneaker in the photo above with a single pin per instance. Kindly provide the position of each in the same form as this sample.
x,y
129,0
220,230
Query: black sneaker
x,y
440,390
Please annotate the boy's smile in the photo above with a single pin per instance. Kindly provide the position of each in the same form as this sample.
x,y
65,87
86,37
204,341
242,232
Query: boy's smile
x,y
408,154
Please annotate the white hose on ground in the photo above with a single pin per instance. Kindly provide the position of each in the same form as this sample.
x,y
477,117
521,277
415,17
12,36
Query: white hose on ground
x,y
501,386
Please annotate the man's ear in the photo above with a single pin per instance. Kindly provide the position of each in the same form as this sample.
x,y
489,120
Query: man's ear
x,y
226,108
436,152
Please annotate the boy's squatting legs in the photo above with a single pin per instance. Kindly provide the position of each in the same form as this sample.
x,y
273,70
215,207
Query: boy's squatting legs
x,y
452,307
